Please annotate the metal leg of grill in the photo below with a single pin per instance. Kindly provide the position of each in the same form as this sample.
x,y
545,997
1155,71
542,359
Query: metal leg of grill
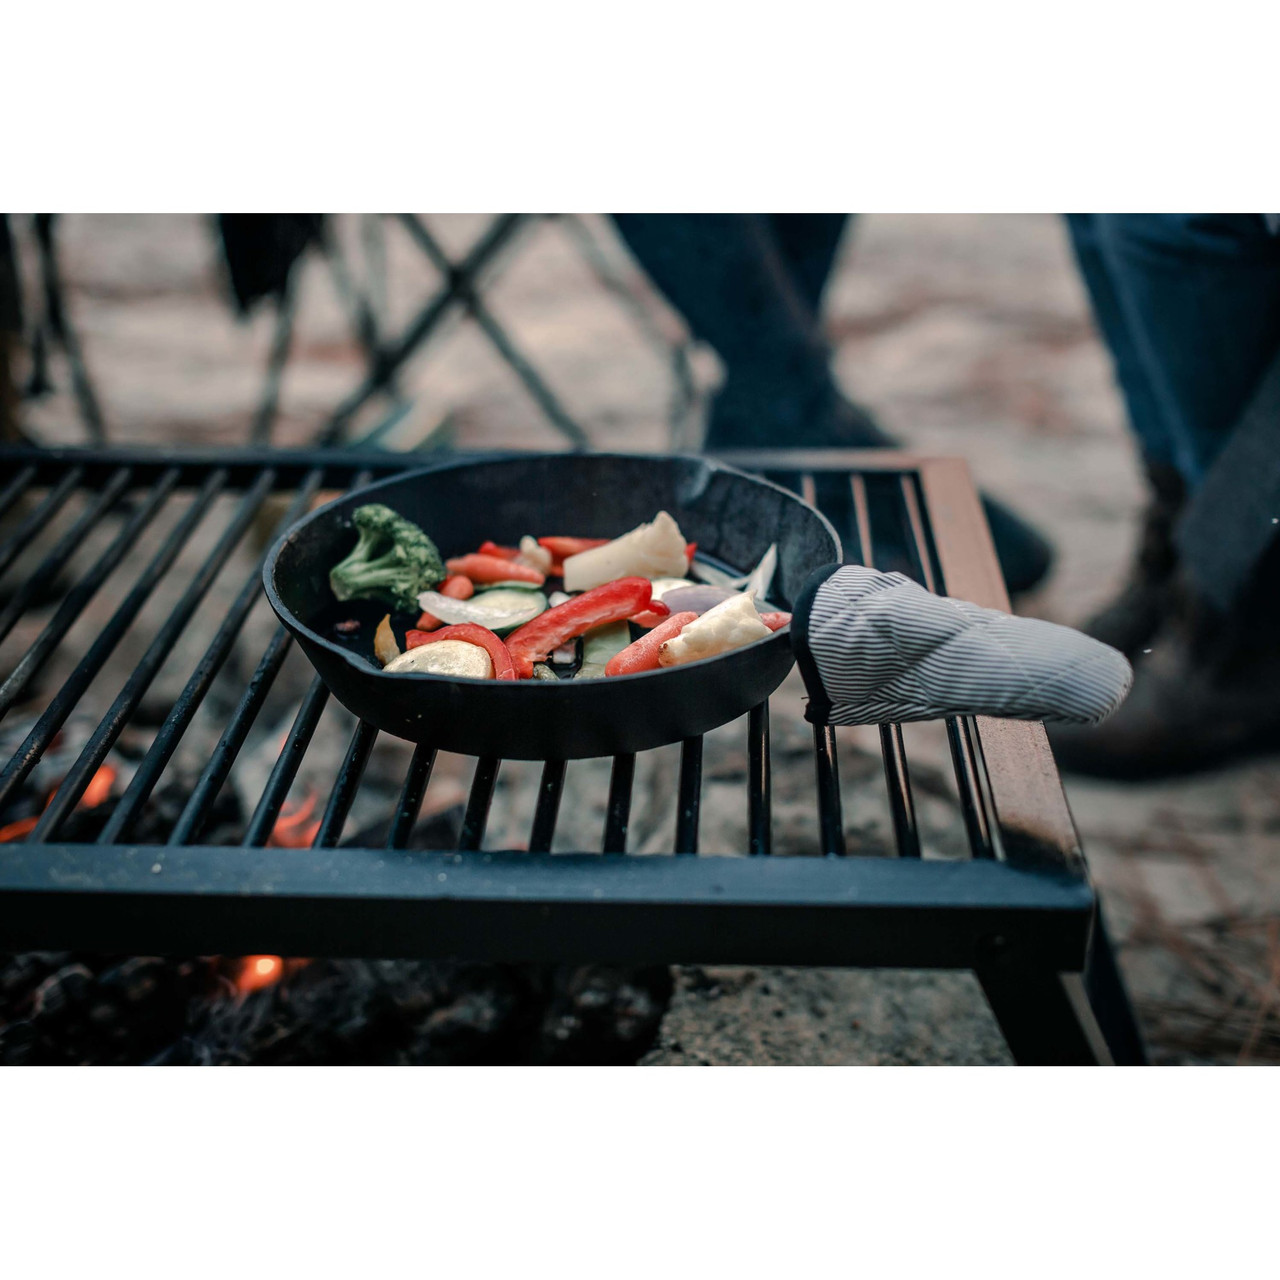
x,y
1073,1019
1110,1000
1038,1017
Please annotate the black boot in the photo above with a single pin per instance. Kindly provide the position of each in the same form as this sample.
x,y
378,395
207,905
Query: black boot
x,y
1208,692
1130,621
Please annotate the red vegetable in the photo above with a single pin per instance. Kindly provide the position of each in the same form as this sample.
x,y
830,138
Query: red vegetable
x,y
456,587
653,615
642,654
615,601
562,548
689,549
775,621
488,568
493,549
503,667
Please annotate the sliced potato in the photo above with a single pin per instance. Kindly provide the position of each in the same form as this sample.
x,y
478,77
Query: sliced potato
x,y
445,658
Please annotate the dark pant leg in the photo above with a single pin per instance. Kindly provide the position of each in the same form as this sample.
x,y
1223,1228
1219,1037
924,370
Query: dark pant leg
x,y
808,243
1146,420
1199,297
723,272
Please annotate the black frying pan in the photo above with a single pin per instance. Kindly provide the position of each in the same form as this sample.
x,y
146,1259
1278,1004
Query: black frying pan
x,y
732,517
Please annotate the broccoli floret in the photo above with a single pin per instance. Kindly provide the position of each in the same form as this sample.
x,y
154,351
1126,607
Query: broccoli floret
x,y
393,560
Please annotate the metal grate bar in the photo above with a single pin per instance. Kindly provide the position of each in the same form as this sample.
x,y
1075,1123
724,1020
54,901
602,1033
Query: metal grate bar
x,y
544,818
285,769
84,591
415,787
477,816
346,786
618,814
902,806
47,571
95,751
16,543
193,694
897,773
690,800
963,757
830,809
65,700
759,784
830,814
16,487
196,811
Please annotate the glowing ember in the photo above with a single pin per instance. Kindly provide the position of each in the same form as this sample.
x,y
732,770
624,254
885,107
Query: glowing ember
x,y
97,792
253,973
292,829
99,788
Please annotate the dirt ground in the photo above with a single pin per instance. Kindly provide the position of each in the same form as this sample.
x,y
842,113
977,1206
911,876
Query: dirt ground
x,y
966,335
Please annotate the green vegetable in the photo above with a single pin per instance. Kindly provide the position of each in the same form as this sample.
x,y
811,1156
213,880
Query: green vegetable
x,y
599,645
393,560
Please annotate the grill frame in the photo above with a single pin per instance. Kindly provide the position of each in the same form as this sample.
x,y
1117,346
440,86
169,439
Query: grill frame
x,y
1021,908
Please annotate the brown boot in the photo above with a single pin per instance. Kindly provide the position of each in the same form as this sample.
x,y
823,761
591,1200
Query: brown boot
x,y
1130,621
1207,692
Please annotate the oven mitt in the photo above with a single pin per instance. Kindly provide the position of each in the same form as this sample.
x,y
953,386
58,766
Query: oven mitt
x,y
877,648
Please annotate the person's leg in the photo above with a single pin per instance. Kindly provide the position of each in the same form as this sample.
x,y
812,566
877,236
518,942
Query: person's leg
x,y
1198,296
728,276
1200,299
1130,620
808,243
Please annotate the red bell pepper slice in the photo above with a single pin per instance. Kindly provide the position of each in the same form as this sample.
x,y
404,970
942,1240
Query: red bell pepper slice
x,y
486,568
503,667
456,587
653,615
775,621
494,549
614,602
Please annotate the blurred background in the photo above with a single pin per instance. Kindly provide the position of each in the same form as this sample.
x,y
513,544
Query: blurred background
x,y
966,335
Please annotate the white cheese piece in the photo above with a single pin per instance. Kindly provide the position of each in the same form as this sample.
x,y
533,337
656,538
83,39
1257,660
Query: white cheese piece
x,y
654,550
730,625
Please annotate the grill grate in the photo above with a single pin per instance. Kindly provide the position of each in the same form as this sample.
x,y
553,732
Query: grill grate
x,y
1024,884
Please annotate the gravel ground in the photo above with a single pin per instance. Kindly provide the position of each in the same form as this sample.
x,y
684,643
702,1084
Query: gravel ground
x,y
965,334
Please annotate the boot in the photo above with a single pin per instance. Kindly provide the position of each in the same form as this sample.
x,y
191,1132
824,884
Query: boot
x,y
1130,621
1208,692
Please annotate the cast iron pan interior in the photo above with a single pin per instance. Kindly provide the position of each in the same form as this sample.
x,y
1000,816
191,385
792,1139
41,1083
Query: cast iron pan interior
x,y
733,518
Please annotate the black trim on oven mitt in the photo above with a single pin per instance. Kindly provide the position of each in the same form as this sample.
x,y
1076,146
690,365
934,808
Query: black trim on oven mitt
x,y
876,648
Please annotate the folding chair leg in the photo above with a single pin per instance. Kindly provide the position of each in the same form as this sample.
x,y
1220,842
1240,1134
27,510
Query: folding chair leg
x,y
281,344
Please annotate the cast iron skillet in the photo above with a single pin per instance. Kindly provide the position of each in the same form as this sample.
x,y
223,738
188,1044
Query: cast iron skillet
x,y
732,517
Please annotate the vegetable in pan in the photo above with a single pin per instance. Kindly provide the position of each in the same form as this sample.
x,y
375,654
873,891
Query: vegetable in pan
x,y
393,560
643,582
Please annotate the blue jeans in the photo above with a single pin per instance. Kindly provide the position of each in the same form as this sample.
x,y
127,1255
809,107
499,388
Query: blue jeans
x,y
1189,304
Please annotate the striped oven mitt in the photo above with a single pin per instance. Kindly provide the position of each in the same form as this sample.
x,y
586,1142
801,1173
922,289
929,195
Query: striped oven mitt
x,y
876,647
